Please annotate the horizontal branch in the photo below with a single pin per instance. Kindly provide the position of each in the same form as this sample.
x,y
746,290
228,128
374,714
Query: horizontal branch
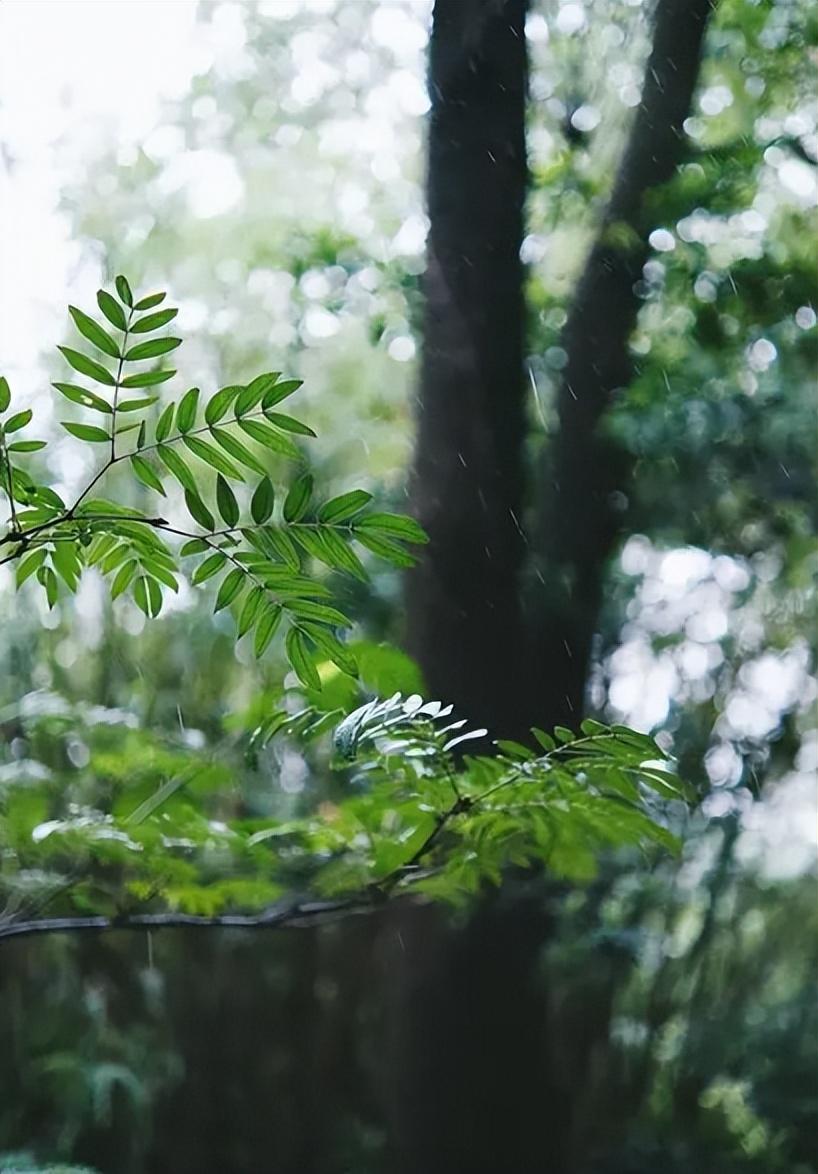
x,y
280,916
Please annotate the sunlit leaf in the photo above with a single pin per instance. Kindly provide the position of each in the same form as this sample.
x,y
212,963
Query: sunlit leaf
x,y
124,290
87,366
153,321
236,449
146,473
232,585
83,397
86,432
209,567
111,309
147,378
340,509
172,461
217,406
211,455
95,334
152,349
147,303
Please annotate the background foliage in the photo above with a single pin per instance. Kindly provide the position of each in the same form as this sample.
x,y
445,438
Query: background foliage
x,y
687,987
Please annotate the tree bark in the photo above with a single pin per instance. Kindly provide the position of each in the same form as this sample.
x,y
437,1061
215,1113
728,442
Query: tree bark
x,y
476,1086
580,522
466,487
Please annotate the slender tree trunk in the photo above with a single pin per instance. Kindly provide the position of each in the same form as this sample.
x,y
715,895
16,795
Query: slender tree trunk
x,y
463,599
580,521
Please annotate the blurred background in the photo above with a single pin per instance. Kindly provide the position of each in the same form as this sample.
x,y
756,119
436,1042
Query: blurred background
x,y
265,163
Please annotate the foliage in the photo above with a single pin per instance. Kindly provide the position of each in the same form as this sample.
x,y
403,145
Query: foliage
x,y
136,823
260,561
127,836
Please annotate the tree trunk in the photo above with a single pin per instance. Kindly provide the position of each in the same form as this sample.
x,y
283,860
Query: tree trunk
x,y
580,522
466,487
476,1080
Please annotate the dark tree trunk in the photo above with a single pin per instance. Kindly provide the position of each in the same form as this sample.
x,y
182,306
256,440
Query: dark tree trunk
x,y
475,1054
466,489
580,520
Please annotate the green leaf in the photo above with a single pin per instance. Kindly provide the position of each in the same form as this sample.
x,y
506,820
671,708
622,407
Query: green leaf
x,y
124,290
18,421
564,735
124,577
591,727
147,378
143,432
194,546
29,564
263,500
91,330
83,397
271,439
87,366
297,500
309,610
236,449
172,461
147,303
226,501
263,383
66,563
151,349
153,321
266,629
165,423
26,446
147,474
332,647
288,424
186,414
386,548
5,393
161,572
252,395
393,526
86,432
111,309
339,509
250,610
198,510
281,545
48,579
338,554
280,391
218,404
209,567
232,585
211,455
300,659
545,740
136,405
100,546
148,596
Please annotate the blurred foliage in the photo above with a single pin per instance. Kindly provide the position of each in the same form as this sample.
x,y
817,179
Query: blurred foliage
x,y
281,200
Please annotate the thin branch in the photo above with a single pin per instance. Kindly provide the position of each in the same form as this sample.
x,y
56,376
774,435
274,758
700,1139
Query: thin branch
x,y
279,916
